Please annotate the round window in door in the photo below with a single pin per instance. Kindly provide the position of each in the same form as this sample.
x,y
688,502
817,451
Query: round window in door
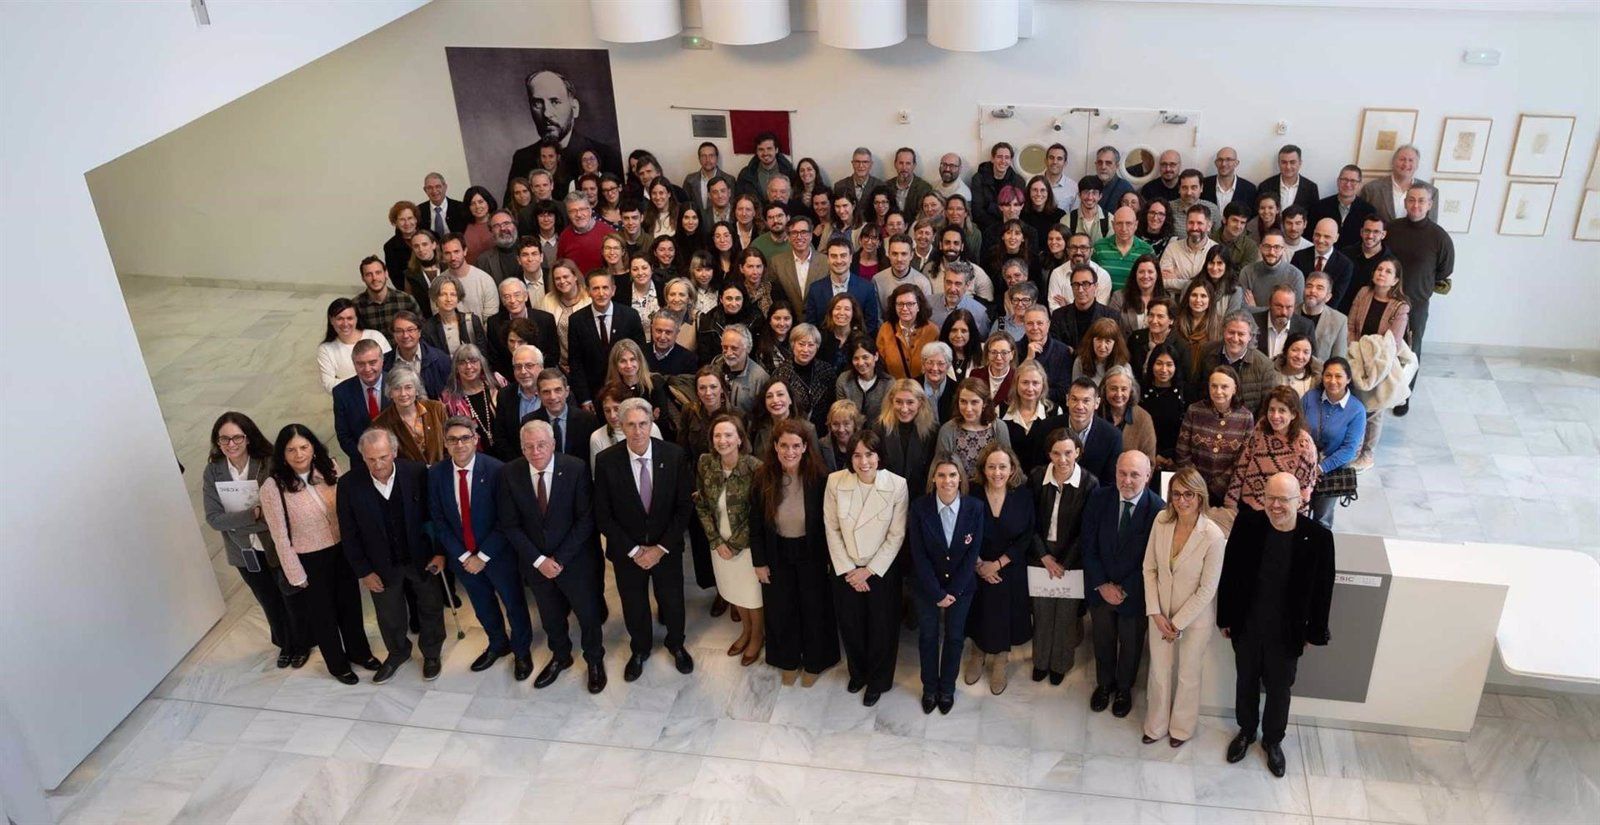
x,y
1031,160
1139,164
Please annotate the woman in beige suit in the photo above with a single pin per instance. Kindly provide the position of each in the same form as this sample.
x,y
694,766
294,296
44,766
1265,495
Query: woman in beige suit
x,y
1182,565
864,514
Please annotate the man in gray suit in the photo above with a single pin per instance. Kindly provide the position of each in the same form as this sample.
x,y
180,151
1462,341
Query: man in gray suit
x,y
1388,194
699,181
1329,335
861,182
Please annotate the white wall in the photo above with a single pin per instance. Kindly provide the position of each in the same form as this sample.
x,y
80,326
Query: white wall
x,y
314,160
107,583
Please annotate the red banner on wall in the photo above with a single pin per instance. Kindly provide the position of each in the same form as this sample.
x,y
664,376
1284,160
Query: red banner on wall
x,y
748,123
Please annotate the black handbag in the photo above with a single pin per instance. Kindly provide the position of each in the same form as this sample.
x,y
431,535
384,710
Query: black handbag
x,y
1338,483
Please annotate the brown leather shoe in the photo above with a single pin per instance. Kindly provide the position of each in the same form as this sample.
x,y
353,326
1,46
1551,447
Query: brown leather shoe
x,y
997,673
807,678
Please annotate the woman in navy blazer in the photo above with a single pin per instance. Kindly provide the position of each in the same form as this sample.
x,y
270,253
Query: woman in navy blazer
x,y
1002,615
947,577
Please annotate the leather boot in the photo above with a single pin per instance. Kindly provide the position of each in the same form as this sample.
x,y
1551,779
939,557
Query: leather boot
x,y
972,670
997,673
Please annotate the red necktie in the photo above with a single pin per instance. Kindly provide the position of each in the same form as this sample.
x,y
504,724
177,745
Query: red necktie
x,y
1320,259
372,402
543,495
465,496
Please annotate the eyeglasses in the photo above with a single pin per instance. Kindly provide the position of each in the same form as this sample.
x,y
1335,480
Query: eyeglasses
x,y
1184,494
453,440
1287,500
1082,284
230,440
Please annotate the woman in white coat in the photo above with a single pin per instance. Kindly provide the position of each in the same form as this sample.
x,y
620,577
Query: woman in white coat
x,y
1182,565
864,514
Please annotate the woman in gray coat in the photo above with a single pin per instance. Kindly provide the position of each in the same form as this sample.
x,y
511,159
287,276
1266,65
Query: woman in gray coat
x,y
240,453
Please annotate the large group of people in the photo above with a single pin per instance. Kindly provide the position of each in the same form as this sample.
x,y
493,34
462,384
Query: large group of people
x,y
861,405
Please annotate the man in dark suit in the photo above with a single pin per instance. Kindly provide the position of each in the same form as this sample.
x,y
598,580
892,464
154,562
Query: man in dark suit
x,y
642,503
428,361
383,506
1323,257
1288,185
591,332
1102,441
696,184
822,290
859,186
1116,528
545,515
1345,207
1278,321
1234,188
440,213
518,402
461,496
555,107
514,306
1069,323
572,425
1273,600
664,355
358,399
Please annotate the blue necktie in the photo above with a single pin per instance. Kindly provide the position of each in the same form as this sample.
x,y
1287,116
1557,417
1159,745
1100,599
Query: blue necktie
x,y
947,515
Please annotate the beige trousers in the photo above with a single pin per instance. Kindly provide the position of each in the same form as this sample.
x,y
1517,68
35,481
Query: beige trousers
x,y
1168,712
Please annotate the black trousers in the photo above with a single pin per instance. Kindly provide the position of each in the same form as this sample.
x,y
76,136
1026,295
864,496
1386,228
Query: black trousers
x,y
869,626
573,591
1262,664
394,614
1416,325
801,629
1118,644
634,585
700,552
288,633
331,604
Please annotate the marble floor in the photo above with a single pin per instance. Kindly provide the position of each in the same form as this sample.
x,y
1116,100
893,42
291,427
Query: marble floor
x,y
1494,449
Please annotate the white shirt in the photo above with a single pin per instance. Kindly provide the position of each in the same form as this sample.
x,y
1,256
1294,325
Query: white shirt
x,y
385,487
633,464
1055,512
1296,245
441,210
1398,193
334,358
1276,339
244,475
1287,193
1225,196
1065,192
802,269
455,486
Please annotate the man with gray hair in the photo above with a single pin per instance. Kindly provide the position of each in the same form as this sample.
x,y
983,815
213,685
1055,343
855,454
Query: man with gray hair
x,y
1256,373
744,376
955,278
1108,168
500,260
517,402
858,187
1387,194
441,213
382,510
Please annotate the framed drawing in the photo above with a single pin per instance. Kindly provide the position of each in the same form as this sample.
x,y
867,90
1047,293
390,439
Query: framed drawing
x,y
1527,208
1594,169
1463,145
1457,199
1540,148
1588,228
1382,132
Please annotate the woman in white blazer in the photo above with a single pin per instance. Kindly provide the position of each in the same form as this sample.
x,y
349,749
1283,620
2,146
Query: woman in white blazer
x,y
1182,565
864,514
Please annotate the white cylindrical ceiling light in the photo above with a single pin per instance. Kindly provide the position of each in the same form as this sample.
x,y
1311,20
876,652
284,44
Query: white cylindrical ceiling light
x,y
635,21
861,24
973,25
744,22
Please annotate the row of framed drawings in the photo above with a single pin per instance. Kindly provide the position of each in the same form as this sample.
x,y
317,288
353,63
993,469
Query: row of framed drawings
x,y
1538,150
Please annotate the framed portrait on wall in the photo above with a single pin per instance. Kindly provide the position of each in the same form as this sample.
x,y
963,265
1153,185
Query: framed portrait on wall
x,y
1527,208
1540,148
1463,145
1457,198
1382,132
1588,228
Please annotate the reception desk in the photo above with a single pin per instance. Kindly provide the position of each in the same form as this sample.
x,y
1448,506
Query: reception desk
x,y
1413,637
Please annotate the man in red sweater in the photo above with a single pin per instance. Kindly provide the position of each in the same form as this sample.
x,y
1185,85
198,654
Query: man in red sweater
x,y
582,238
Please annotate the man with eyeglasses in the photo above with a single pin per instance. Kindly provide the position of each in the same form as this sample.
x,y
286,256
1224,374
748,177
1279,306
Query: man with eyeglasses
x,y
794,267
462,492
516,304
1261,277
1069,323
1387,194
1345,206
950,182
518,402
1079,247
861,182
1108,168
1226,186
1273,599
500,260
581,241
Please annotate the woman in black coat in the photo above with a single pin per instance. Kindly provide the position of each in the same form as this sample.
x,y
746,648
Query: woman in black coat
x,y
1060,489
1001,615
789,548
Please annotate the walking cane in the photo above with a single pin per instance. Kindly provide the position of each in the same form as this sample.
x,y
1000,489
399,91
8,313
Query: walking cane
x,y
452,603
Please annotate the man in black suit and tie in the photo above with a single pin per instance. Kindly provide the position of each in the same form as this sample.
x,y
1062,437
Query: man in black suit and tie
x,y
1116,528
1345,207
1273,600
440,213
591,332
1226,186
517,403
1290,188
1323,257
545,515
383,505
643,506
571,426
358,399
555,107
